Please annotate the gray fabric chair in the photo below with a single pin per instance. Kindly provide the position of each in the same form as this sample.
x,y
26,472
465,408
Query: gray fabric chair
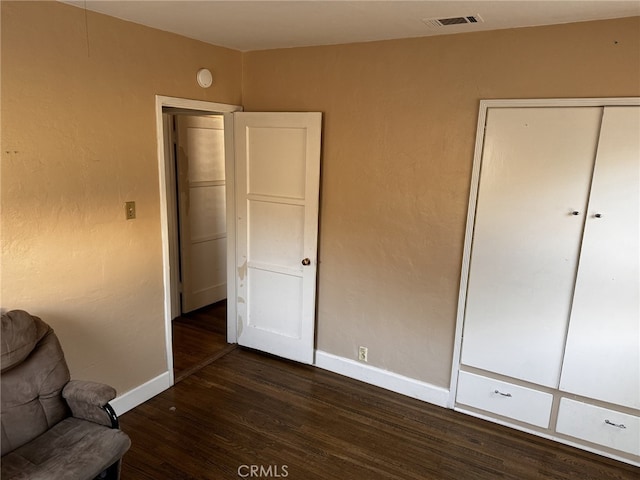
x,y
52,428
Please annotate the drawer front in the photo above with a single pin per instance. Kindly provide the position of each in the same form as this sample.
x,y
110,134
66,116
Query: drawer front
x,y
609,428
503,398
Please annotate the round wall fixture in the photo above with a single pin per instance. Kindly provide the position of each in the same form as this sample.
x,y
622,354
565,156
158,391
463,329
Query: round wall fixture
x,y
204,77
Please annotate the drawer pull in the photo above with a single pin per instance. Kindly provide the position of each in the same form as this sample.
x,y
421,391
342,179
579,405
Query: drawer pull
x,y
619,425
503,394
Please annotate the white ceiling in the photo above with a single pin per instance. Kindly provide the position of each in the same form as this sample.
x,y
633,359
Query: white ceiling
x,y
264,24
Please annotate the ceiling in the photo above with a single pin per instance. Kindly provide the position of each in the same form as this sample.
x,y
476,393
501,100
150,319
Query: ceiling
x,y
265,24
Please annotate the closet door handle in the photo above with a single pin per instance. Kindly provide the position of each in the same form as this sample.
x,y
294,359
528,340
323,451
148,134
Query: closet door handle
x,y
575,212
619,425
598,215
306,261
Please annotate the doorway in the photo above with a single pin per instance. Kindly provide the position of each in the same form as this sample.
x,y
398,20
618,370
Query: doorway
x,y
197,212
272,171
196,148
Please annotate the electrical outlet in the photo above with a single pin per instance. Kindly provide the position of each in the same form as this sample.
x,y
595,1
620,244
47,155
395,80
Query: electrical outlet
x,y
362,354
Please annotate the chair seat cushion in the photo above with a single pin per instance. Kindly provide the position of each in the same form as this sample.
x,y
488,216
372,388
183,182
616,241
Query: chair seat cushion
x,y
72,449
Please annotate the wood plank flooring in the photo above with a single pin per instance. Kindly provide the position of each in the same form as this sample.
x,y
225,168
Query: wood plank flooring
x,y
295,421
199,338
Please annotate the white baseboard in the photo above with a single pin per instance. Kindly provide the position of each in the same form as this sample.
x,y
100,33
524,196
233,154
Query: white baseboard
x,y
141,394
327,361
383,378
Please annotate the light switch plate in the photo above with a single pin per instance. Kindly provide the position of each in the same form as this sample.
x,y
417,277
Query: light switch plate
x,y
130,210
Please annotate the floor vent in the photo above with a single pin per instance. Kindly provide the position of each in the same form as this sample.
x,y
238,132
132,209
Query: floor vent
x,y
445,22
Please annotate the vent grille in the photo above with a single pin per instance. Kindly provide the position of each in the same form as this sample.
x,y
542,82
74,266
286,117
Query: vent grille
x,y
446,22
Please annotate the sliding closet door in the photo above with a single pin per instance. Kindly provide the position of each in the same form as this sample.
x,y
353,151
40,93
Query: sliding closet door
x,y
602,359
534,185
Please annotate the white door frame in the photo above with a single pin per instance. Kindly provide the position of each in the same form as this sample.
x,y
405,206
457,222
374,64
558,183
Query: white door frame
x,y
168,220
473,196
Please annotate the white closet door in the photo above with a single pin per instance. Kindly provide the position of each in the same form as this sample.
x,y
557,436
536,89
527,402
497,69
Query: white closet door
x,y
535,174
602,358
202,206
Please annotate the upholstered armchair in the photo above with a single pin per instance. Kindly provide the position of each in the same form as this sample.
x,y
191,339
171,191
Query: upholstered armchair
x,y
52,428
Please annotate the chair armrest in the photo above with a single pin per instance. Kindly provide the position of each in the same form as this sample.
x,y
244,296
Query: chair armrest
x,y
90,401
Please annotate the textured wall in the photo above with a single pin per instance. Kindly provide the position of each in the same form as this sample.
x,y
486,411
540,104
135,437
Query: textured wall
x,y
78,140
399,130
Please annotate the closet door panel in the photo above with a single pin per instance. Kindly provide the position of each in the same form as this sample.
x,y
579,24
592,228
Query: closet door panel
x,y
602,358
536,171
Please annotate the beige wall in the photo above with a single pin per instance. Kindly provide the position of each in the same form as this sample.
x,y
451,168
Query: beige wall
x,y
78,140
399,130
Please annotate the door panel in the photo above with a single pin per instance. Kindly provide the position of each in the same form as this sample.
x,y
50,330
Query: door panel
x,y
277,234
202,210
275,300
274,161
205,141
604,331
207,212
536,170
277,193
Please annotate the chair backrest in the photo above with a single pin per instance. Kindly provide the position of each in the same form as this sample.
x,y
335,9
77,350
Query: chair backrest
x,y
33,374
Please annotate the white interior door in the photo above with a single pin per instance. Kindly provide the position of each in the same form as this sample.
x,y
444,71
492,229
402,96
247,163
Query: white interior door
x,y
277,194
202,210
602,358
534,184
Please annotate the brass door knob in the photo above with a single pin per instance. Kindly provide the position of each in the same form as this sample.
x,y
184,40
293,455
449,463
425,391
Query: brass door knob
x,y
306,261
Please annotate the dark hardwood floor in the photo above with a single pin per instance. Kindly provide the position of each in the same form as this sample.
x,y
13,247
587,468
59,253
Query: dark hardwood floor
x,y
199,338
249,410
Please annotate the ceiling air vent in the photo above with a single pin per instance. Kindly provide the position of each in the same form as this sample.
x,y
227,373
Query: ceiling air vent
x,y
445,22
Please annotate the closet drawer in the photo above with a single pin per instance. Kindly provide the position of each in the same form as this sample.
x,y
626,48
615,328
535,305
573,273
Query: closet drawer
x,y
603,426
503,398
